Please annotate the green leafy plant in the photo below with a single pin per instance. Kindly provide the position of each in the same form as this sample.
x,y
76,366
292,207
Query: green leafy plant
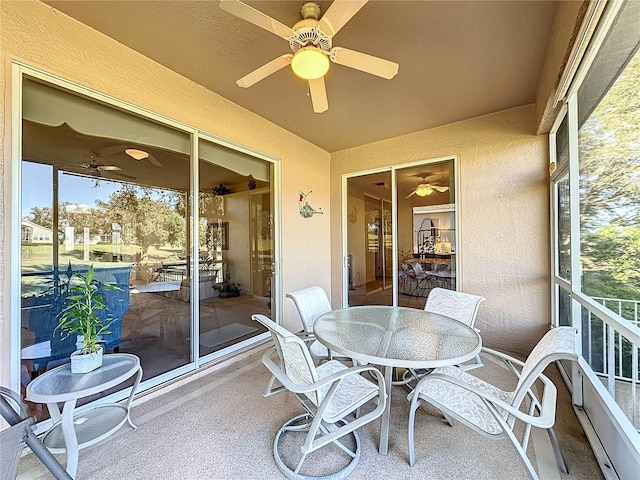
x,y
80,313
227,288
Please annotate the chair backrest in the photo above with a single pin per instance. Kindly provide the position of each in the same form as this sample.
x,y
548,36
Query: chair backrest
x,y
417,268
311,303
457,305
294,354
557,344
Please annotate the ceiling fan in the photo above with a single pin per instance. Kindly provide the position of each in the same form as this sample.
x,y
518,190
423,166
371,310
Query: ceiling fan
x,y
425,189
98,169
310,40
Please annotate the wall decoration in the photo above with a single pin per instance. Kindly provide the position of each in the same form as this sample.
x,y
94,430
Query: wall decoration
x,y
218,236
353,215
306,210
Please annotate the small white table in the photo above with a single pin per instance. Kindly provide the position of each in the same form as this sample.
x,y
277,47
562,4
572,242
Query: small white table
x,y
73,430
396,337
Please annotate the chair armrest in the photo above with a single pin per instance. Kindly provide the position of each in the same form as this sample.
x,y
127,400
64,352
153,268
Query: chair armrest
x,y
312,387
501,356
547,407
307,337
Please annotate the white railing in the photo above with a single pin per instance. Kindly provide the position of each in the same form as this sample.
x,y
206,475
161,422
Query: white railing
x,y
624,308
616,361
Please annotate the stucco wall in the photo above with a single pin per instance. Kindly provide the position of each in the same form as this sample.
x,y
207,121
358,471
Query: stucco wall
x,y
37,35
503,212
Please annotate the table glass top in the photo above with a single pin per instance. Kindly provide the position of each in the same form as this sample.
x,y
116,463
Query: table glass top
x,y
397,336
60,384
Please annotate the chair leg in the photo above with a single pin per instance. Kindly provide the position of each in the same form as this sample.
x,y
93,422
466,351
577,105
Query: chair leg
x,y
521,452
303,423
556,450
415,403
270,390
477,363
447,418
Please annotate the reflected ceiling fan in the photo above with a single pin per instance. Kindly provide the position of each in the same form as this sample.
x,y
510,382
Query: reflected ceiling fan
x,y
425,189
310,40
98,169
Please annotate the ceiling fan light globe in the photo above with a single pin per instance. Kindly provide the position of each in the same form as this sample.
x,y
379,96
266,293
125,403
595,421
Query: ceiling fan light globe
x,y
423,190
309,63
137,154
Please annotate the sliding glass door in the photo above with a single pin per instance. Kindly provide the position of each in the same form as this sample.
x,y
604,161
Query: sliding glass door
x,y
114,189
423,214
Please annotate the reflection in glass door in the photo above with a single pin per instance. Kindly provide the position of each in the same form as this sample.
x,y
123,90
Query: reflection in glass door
x,y
261,243
426,231
93,195
112,188
235,244
370,240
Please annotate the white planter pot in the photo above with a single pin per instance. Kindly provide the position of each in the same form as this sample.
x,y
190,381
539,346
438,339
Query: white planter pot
x,y
85,362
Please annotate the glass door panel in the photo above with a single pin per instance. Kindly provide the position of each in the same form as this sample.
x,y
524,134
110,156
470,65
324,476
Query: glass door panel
x,y
103,187
369,239
426,231
235,244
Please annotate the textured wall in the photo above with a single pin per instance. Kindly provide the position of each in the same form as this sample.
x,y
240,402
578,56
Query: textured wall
x,y
503,214
36,34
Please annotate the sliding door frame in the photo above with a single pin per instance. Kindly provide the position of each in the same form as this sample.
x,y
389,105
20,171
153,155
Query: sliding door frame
x,y
394,219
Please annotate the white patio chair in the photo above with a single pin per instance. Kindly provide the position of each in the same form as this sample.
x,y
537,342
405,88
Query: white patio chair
x,y
459,306
311,302
424,280
494,412
332,395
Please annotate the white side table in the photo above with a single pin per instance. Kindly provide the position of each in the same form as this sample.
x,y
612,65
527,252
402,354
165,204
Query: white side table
x,y
73,430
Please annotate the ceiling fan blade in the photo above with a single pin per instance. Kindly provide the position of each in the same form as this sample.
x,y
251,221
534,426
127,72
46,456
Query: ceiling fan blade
x,y
338,14
154,161
251,15
108,168
318,94
265,70
440,189
366,63
413,192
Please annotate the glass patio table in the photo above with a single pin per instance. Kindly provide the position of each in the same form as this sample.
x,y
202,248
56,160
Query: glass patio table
x,y
75,429
396,337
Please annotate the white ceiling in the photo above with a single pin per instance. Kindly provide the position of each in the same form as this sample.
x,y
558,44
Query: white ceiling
x,y
458,60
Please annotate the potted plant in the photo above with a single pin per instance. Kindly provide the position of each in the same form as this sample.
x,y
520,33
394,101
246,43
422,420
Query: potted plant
x,y
227,288
80,316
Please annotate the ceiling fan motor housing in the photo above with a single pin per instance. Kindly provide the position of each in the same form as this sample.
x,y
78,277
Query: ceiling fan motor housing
x,y
308,33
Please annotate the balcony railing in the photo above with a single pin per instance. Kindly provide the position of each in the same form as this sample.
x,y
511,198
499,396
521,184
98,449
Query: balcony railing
x,y
615,361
